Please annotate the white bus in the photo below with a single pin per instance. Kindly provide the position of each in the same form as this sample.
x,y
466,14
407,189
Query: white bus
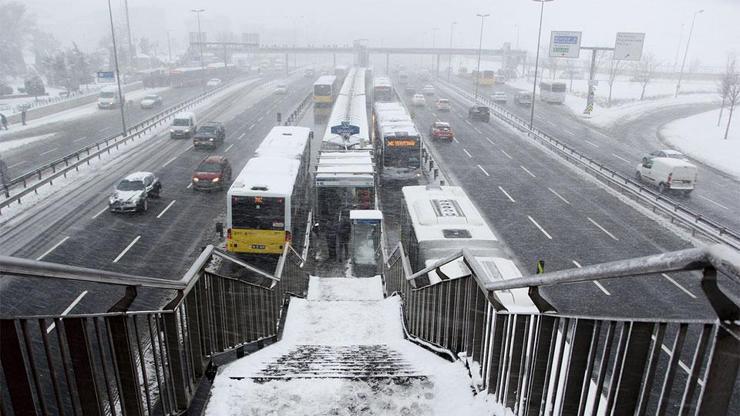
x,y
350,107
266,205
437,221
398,141
552,92
382,89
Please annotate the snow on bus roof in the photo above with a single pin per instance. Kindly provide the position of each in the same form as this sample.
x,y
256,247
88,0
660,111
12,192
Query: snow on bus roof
x,y
266,176
288,141
436,209
325,80
362,168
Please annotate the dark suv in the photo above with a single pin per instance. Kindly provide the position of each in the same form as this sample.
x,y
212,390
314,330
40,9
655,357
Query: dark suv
x,y
479,112
213,172
209,134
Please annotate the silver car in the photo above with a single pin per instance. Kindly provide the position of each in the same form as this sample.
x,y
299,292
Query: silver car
x,y
132,193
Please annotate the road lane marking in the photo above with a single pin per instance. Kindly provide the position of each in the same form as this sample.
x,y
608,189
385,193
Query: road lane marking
x,y
169,161
455,139
467,153
125,250
678,285
603,229
105,129
599,285
714,202
251,127
16,164
507,194
52,249
539,227
81,138
68,310
484,171
591,143
478,130
48,151
190,185
100,212
166,208
681,364
507,155
229,148
469,123
559,196
489,141
260,119
241,136
621,158
527,170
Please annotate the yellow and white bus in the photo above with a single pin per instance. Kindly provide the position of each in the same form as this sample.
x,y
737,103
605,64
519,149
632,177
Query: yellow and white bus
x,y
325,90
267,205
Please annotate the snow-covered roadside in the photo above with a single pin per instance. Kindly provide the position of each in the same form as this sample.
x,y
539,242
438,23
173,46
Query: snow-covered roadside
x,y
699,137
77,112
14,144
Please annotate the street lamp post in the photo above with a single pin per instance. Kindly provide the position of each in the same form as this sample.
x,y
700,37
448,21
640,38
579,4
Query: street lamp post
x,y
434,45
200,43
449,57
118,73
480,47
536,63
686,51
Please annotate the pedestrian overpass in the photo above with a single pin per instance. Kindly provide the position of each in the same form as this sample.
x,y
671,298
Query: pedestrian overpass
x,y
232,339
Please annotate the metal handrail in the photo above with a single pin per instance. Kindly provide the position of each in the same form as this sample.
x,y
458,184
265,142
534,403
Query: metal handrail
x,y
717,232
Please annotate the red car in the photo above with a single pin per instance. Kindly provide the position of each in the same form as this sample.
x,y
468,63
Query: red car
x,y
442,130
213,172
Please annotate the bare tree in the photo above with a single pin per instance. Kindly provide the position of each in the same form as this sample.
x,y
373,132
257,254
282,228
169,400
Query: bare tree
x,y
645,71
733,96
724,85
615,68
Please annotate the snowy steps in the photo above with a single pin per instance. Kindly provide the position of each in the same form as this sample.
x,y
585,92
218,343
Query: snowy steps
x,y
342,361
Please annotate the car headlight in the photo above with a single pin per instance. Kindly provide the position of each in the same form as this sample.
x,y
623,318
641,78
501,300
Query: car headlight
x,y
187,130
195,179
172,130
215,180
211,139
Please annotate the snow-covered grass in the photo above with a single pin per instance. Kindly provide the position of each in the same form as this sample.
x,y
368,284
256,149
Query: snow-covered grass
x,y
699,137
11,105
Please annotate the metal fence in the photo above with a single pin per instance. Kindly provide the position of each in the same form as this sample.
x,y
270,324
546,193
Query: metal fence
x,y
548,363
28,183
694,221
139,362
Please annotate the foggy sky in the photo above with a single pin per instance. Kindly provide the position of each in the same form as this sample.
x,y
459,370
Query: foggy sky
x,y
411,22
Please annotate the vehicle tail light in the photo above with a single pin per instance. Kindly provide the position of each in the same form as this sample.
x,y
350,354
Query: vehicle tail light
x,y
228,233
670,177
288,237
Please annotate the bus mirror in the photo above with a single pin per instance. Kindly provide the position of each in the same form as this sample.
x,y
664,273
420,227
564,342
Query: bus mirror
x,y
220,229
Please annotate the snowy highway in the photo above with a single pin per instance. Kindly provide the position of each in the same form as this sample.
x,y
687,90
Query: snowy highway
x,y
76,228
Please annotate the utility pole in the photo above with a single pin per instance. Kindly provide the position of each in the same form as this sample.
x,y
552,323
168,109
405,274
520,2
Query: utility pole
x,y
449,66
536,63
686,52
480,47
118,73
591,75
169,49
131,49
200,43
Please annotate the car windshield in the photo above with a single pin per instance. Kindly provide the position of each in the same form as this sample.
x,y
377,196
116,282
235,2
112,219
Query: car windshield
x,y
130,185
207,129
151,97
209,167
107,94
182,121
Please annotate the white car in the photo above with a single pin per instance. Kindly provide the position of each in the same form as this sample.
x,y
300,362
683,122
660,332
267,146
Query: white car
x,y
151,101
500,98
419,100
443,104
281,89
670,153
667,174
213,82
133,192
428,89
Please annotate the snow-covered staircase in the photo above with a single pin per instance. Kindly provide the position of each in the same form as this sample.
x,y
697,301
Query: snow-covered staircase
x,y
343,352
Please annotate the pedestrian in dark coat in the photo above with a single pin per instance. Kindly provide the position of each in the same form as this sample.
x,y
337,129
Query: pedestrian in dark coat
x,y
4,121
331,239
23,116
345,230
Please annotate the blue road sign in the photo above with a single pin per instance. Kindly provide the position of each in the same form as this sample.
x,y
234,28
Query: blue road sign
x,y
345,129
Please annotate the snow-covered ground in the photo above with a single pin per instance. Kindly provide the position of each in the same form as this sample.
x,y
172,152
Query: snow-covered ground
x,y
12,105
339,315
14,144
699,137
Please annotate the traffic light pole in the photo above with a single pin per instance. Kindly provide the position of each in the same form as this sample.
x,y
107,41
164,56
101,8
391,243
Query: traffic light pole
x,y
592,74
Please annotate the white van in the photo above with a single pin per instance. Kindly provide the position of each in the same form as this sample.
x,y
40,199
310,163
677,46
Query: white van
x,y
183,126
108,98
667,174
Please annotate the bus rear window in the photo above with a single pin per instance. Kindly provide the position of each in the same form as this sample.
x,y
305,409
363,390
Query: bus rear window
x,y
558,87
258,213
322,90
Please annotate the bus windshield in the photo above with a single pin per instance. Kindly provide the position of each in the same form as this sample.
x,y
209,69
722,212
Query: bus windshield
x,y
402,153
322,89
107,94
258,213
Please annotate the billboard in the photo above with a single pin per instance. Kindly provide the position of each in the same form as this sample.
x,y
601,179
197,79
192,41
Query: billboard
x,y
565,44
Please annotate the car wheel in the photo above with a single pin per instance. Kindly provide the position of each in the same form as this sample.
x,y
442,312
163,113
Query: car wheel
x,y
661,188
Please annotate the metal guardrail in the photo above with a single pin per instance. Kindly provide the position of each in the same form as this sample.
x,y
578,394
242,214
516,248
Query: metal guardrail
x,y
47,173
139,362
298,112
549,363
696,222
